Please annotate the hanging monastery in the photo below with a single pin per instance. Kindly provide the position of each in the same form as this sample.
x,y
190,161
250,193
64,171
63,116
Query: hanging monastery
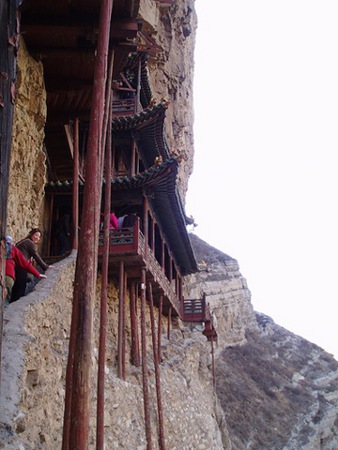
x,y
89,128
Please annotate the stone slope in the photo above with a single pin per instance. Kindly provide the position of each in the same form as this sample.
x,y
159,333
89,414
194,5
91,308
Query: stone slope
x,y
278,391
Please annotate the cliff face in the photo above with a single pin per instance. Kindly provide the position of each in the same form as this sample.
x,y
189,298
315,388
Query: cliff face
x,y
274,390
171,73
277,390
28,162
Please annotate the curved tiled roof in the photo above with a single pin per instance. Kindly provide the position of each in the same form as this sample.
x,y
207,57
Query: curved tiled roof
x,y
148,129
165,201
132,64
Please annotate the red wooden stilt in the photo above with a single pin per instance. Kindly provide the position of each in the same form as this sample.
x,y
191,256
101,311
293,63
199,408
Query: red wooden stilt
x,y
75,209
104,294
120,323
135,353
159,331
86,267
161,440
169,322
213,361
144,361
124,327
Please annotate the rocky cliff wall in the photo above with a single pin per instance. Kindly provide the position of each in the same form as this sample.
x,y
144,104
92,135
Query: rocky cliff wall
x,y
226,290
277,390
171,73
28,162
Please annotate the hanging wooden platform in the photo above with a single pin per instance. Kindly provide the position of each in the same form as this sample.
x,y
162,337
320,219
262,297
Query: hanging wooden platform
x,y
128,245
198,311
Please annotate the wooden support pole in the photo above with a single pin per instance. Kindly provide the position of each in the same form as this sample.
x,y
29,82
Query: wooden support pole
x,y
138,89
159,331
51,206
80,353
124,326
153,235
169,322
170,269
75,205
135,352
161,439
144,361
213,362
120,323
104,297
145,226
133,158
180,294
162,254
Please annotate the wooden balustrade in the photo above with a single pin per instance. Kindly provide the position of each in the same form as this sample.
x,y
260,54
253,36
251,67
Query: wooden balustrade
x,y
130,243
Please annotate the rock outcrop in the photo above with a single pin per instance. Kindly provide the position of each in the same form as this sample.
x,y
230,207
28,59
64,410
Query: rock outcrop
x,y
277,390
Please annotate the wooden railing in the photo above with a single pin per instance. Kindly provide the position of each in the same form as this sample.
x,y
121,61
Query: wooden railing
x,y
198,310
194,310
131,241
124,107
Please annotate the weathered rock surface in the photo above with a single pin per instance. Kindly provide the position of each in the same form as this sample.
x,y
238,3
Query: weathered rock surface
x,y
171,73
277,390
35,351
28,171
227,292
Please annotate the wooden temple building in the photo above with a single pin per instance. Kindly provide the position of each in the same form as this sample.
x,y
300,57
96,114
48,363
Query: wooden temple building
x,y
107,151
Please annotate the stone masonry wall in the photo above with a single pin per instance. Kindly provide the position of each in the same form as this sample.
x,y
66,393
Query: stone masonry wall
x,y
35,349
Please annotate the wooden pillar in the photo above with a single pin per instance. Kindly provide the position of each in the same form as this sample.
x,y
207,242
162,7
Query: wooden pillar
x,y
180,294
170,269
144,361
169,322
104,297
161,439
124,326
120,323
153,243
145,225
159,331
133,157
80,346
135,352
138,90
213,361
51,206
163,254
75,204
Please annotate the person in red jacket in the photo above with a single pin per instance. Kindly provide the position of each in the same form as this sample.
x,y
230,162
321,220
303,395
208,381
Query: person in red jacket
x,y
14,258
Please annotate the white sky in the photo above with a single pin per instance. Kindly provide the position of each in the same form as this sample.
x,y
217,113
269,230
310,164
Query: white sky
x,y
264,187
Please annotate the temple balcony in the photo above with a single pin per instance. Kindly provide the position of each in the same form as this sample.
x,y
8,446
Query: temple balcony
x,y
198,311
128,245
124,107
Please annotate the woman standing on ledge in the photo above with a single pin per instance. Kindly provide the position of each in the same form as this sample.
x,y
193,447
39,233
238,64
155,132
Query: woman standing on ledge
x,y
27,246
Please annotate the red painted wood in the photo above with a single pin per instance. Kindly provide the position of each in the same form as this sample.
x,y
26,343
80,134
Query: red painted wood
x,y
161,439
104,293
86,267
144,362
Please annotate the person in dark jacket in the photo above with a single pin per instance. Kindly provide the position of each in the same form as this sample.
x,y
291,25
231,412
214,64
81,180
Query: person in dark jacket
x,y
129,220
15,259
27,246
